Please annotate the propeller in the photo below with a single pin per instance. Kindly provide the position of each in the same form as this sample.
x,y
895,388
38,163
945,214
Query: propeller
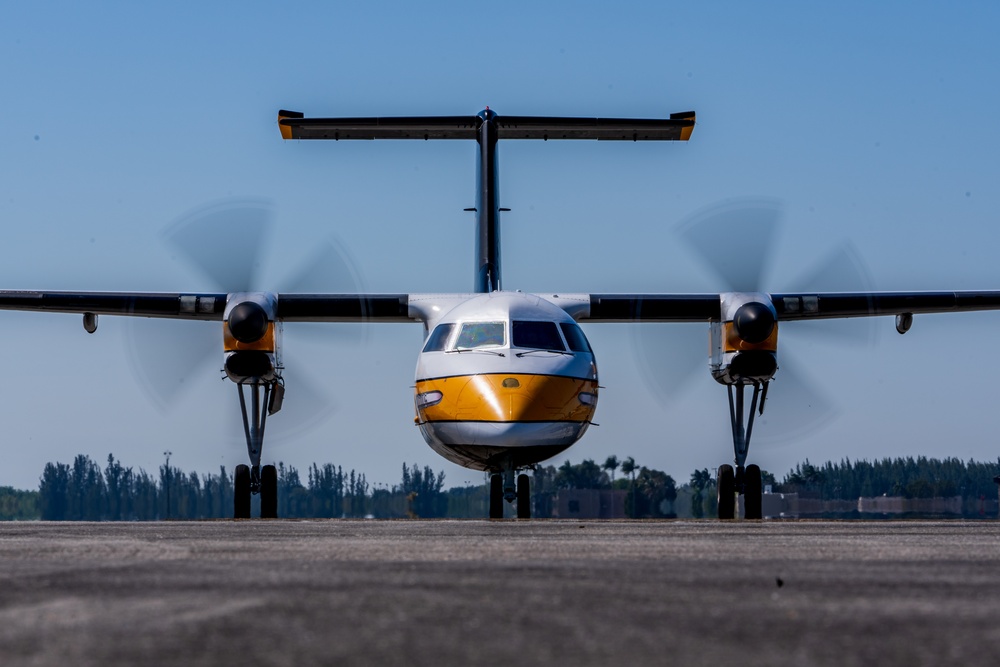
x,y
736,242
225,244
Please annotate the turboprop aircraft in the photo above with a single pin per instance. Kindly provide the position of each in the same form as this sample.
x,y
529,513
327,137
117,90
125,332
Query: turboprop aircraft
x,y
504,379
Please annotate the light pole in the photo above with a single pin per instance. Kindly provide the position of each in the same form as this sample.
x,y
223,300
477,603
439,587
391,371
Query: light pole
x,y
167,481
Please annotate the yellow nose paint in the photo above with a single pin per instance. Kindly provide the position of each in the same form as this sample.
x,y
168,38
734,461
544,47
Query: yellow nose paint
x,y
504,398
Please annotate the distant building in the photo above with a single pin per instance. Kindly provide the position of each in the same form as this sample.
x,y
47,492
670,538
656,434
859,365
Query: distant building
x,y
779,505
898,505
590,504
792,505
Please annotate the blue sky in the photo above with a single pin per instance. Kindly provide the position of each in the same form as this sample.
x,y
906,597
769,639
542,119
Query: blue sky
x,y
872,124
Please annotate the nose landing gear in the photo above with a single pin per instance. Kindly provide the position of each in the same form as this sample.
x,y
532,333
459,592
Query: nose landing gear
x,y
503,488
265,399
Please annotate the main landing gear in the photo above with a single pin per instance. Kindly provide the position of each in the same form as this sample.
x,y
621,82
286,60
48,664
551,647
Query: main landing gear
x,y
502,488
744,480
265,399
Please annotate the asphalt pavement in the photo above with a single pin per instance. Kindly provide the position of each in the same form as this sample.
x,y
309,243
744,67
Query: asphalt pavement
x,y
500,592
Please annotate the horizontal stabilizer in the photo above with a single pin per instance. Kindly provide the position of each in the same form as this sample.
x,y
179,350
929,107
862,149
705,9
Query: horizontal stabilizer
x,y
295,126
607,129
678,127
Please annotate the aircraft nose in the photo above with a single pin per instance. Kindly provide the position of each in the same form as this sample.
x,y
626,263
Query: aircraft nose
x,y
520,398
506,398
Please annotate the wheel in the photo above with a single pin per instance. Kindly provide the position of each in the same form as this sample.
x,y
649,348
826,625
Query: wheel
x,y
269,492
752,501
496,497
726,484
523,497
241,492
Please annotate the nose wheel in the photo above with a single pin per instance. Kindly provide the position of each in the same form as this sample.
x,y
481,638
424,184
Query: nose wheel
x,y
503,489
732,482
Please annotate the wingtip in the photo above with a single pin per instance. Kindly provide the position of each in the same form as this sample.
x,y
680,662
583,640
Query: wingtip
x,y
685,115
286,130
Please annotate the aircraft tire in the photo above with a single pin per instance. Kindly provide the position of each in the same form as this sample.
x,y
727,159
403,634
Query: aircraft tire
x,y
269,492
241,492
523,497
496,496
726,484
752,498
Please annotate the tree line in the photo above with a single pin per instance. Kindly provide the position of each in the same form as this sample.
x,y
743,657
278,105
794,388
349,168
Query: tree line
x,y
909,477
85,491
650,493
847,480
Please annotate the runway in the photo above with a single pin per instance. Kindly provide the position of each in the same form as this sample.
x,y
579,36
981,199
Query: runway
x,y
502,592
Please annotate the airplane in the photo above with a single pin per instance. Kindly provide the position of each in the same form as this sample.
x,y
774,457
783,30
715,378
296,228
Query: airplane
x,y
504,379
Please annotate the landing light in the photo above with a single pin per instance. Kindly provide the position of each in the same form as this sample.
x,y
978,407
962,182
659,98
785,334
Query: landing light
x,y
586,398
428,398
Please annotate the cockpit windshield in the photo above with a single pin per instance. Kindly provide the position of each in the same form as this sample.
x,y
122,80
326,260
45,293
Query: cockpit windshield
x,y
536,335
574,336
439,337
526,334
480,334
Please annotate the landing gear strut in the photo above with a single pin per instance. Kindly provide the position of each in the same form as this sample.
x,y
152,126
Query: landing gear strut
x,y
744,480
502,488
265,397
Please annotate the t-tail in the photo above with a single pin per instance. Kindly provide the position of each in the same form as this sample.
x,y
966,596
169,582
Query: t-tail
x,y
487,128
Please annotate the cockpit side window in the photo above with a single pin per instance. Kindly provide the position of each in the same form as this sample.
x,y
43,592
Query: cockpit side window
x,y
574,336
481,334
536,335
439,337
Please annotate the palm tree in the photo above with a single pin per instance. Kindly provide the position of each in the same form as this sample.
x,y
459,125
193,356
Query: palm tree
x,y
628,468
700,479
611,465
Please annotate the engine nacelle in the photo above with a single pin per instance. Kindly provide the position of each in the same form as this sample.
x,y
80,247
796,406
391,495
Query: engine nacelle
x,y
744,344
252,337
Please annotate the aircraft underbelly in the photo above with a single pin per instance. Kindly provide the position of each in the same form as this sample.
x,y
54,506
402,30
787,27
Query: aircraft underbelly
x,y
484,445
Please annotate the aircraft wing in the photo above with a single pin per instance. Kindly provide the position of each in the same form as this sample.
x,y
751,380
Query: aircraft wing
x,y
424,307
138,304
344,308
789,306
832,305
210,306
